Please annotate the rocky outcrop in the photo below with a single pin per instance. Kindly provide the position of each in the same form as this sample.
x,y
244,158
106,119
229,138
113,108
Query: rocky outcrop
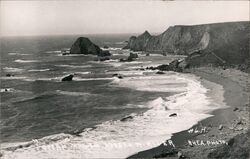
x,y
84,46
130,58
138,43
68,78
172,66
219,43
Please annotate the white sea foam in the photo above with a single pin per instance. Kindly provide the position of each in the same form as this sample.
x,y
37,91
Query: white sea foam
x,y
75,66
116,63
39,70
12,69
83,73
25,61
128,106
110,61
7,90
73,93
119,139
54,52
68,54
153,83
14,78
90,79
15,53
128,72
111,48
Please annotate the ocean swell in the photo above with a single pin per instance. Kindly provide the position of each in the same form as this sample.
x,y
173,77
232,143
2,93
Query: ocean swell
x,y
137,132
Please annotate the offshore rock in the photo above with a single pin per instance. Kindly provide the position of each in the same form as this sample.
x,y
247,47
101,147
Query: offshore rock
x,y
84,46
68,78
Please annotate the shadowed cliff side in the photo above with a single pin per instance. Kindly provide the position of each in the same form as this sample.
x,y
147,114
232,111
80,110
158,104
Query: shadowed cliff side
x,y
138,43
219,43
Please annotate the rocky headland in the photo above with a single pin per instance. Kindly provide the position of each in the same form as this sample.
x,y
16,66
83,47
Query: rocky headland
x,y
224,44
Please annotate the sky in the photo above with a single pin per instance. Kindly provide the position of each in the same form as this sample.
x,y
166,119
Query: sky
x,y
54,17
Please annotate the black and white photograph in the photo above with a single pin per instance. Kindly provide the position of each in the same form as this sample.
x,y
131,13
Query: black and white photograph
x,y
124,79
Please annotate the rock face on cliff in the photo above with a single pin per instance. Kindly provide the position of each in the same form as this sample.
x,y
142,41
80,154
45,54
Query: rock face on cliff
x,y
84,46
219,43
138,43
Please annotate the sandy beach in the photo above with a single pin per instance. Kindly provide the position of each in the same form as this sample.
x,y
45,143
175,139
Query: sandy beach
x,y
224,134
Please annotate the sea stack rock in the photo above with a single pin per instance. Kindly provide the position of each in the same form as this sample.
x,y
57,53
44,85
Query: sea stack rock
x,y
84,46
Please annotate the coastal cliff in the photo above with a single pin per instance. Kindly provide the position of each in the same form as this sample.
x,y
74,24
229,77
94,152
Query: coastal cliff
x,y
139,43
84,46
218,43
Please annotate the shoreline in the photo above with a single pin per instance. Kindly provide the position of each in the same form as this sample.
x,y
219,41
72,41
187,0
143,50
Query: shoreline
x,y
219,126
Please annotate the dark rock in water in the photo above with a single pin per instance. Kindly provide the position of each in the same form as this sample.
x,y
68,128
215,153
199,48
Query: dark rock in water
x,y
183,64
104,53
220,127
9,75
127,118
174,66
237,147
76,132
120,77
147,54
68,78
117,75
84,46
65,53
122,60
133,55
129,59
160,72
173,115
105,47
103,59
236,109
163,68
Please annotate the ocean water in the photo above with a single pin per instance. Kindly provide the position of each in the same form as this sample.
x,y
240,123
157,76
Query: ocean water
x,y
39,113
